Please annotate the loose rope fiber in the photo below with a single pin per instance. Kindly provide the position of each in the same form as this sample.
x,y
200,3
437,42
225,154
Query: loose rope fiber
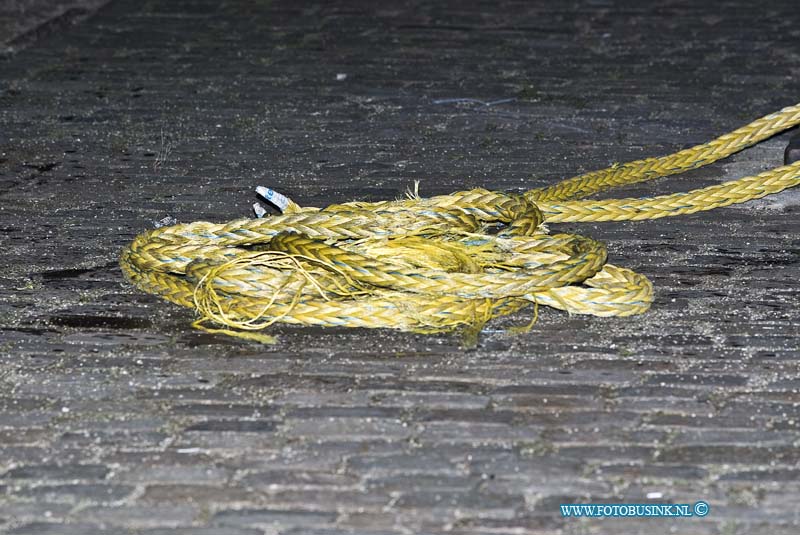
x,y
432,264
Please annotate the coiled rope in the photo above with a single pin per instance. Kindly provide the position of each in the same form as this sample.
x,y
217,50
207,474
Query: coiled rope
x,y
432,264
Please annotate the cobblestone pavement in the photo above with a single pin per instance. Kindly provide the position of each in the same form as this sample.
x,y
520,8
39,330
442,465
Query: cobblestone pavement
x,y
117,418
22,22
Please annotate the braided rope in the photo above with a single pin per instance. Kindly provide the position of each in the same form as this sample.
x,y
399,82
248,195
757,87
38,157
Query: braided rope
x,y
432,265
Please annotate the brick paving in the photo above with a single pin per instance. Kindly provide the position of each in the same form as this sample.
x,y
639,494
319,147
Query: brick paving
x,y
117,418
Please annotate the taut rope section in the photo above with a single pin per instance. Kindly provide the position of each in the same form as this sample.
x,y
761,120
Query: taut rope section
x,y
432,264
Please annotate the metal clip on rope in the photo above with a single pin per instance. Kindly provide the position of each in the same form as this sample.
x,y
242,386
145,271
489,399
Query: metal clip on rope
x,y
432,264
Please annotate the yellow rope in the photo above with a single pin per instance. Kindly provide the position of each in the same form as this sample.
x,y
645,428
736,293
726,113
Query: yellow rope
x,y
435,264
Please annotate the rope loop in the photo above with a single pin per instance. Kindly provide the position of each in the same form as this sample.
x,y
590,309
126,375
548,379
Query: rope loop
x,y
430,264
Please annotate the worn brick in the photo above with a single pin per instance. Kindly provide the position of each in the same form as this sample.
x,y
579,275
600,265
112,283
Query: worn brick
x,y
344,412
766,475
20,512
58,472
142,516
522,465
347,428
730,454
479,433
53,528
413,462
271,517
276,479
608,452
24,456
401,482
696,379
194,441
200,531
197,472
714,436
432,400
23,436
195,493
128,439
77,493
223,410
330,499
235,426
653,471
477,504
